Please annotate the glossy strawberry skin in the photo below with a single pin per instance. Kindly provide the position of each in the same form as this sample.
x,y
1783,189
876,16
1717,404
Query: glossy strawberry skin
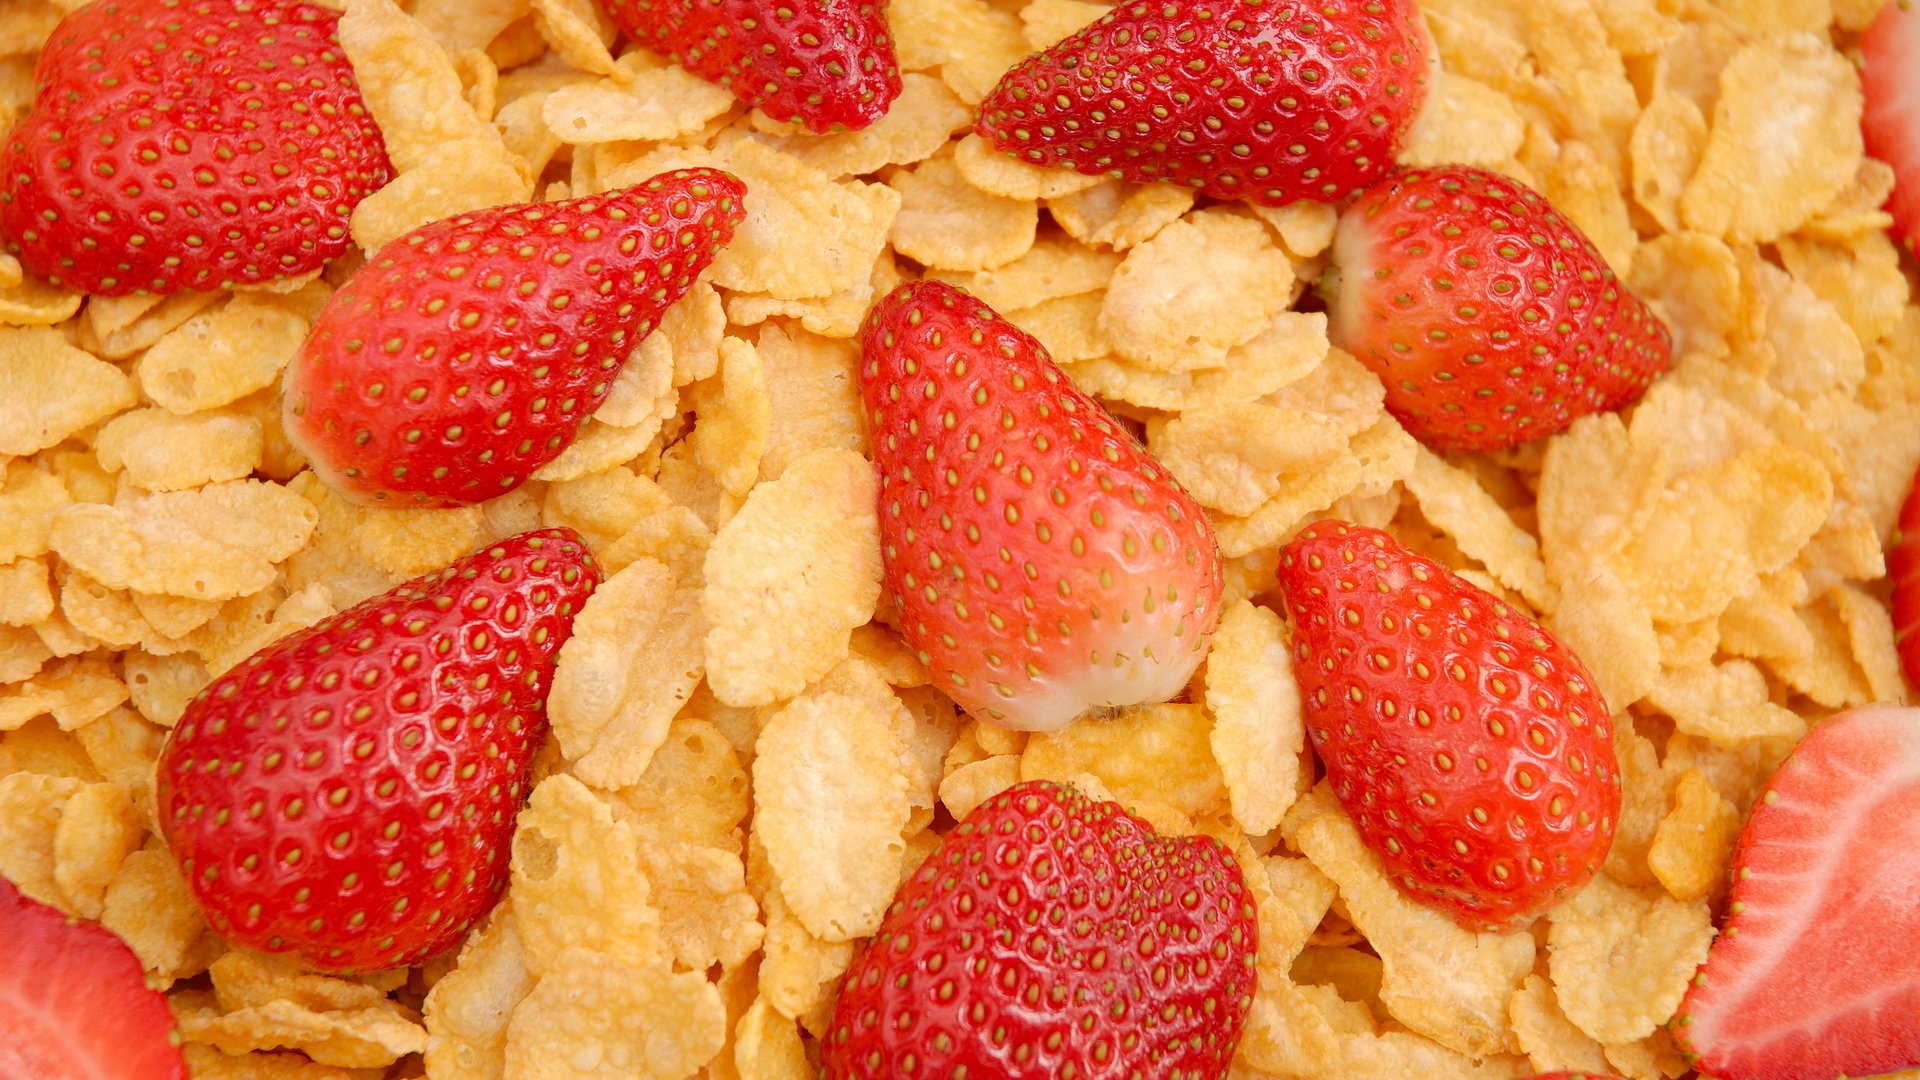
x,y
1270,100
1094,946
188,144
348,794
467,353
1490,317
1903,569
74,1001
1469,747
1042,562
1890,78
1816,971
825,65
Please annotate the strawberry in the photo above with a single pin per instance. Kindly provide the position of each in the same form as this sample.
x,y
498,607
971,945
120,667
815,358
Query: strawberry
x,y
1890,76
188,144
1050,936
1903,569
1491,318
1268,100
468,352
826,65
74,1003
347,794
1816,972
1042,563
1468,745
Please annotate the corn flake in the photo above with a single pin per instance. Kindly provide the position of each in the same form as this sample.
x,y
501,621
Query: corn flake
x,y
164,452
596,1015
1201,286
466,1012
1465,122
1621,958
1551,1041
735,414
1691,846
211,543
946,223
1258,733
149,906
916,127
577,881
53,390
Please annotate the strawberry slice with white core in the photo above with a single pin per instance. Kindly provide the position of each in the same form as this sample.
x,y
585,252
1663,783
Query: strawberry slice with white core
x,y
1816,973
1890,76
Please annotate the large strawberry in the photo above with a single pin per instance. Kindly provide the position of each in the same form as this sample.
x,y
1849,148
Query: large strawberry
x,y
1042,563
467,353
1468,745
1816,972
1491,318
74,1004
1268,100
1051,936
1890,76
1903,569
188,144
348,793
824,65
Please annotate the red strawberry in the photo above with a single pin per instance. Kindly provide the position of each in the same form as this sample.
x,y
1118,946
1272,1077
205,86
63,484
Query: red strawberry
x,y
1052,936
1890,75
1469,747
468,352
825,65
74,1003
1491,318
348,793
188,144
1903,569
1268,100
1042,563
1816,972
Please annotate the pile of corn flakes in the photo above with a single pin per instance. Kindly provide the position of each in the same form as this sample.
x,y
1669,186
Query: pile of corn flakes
x,y
746,760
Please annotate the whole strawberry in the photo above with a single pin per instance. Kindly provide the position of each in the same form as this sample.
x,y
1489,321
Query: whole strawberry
x,y
1903,570
1816,972
1469,747
1491,318
1042,563
74,1002
188,144
1268,100
348,793
1051,936
825,65
467,353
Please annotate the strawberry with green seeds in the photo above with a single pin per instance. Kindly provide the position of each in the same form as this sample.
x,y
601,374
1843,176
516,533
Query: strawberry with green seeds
x,y
1043,564
1903,570
466,354
1468,745
1267,100
347,794
1890,121
188,144
1490,317
1048,936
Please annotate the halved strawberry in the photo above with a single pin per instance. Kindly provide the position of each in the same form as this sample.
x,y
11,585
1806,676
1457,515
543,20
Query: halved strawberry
x,y
1890,76
1903,569
1816,973
74,1003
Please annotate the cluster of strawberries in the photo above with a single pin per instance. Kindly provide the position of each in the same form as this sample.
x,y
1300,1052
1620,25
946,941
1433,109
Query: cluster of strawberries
x,y
347,794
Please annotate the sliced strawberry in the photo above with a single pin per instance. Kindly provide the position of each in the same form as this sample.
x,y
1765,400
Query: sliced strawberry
x,y
348,793
1273,102
1890,76
1903,569
1816,972
1052,936
466,354
824,65
1468,745
74,1002
1490,317
188,144
1043,564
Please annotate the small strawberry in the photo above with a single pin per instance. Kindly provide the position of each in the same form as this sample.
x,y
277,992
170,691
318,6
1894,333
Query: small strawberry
x,y
1268,100
1042,563
1890,76
1816,972
1903,569
1053,936
1491,318
74,1002
188,144
826,65
467,353
1469,747
347,794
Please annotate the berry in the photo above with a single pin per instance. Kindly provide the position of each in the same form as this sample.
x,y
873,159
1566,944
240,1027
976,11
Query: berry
x,y
1903,570
1890,77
